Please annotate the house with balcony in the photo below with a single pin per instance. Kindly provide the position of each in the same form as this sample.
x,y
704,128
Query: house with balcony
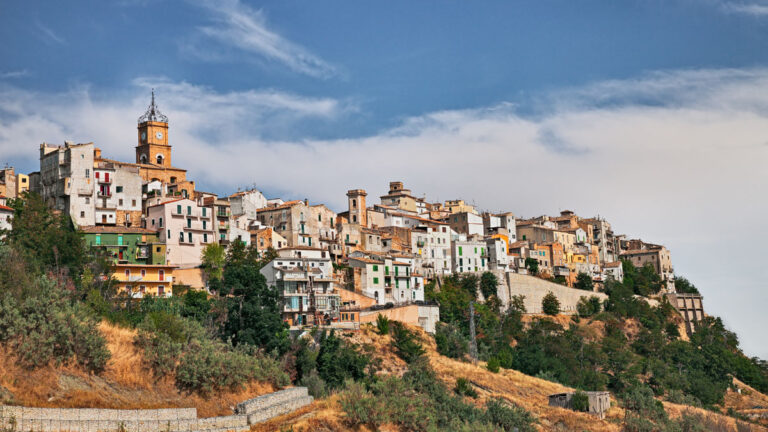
x,y
185,228
387,278
138,258
433,246
304,278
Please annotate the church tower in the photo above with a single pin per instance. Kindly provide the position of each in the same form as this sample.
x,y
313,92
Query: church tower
x,y
153,145
358,213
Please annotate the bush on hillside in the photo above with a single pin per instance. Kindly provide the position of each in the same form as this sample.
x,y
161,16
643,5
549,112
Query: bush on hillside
x,y
338,361
382,324
464,388
493,365
405,342
46,328
550,305
580,401
509,417
450,342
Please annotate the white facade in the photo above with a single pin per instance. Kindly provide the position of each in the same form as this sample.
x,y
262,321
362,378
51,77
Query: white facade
x,y
433,246
185,228
247,202
469,256
498,259
388,279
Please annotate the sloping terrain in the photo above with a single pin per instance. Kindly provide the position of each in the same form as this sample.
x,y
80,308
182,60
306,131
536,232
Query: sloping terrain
x,y
125,384
523,390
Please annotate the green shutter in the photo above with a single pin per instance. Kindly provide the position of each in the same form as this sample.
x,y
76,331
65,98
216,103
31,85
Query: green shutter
x,y
375,281
461,252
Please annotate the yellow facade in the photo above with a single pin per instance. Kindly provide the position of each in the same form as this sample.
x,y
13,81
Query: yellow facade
x,y
22,184
144,279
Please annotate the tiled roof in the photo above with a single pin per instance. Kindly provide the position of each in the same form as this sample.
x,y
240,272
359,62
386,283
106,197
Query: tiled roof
x,y
518,244
168,202
280,207
366,260
612,264
95,229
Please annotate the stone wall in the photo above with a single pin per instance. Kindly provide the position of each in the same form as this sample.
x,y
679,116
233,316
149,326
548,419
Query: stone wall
x,y
24,419
534,289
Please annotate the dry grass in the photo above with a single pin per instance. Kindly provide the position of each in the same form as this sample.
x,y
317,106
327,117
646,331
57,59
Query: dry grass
x,y
125,383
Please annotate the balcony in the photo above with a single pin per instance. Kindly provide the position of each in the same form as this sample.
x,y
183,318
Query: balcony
x,y
104,194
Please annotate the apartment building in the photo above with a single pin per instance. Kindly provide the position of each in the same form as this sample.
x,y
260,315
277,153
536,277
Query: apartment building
x,y
469,255
432,244
184,227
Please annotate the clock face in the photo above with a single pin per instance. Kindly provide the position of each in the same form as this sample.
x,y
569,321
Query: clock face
x,y
159,135
143,136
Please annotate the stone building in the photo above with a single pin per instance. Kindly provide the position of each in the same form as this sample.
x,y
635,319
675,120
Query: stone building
x,y
153,154
247,203
304,278
291,220
657,256
599,402
690,306
8,182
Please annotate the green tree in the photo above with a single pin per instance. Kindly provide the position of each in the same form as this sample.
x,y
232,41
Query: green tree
x,y
532,265
48,242
584,282
683,285
550,305
488,285
213,259
253,308
338,361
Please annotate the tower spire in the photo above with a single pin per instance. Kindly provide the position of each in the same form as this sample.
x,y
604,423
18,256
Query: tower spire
x,y
153,112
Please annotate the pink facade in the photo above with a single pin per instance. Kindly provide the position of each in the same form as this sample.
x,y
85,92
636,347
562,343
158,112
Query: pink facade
x,y
185,228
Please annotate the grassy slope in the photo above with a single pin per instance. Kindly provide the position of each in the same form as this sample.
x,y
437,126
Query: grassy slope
x,y
521,389
124,384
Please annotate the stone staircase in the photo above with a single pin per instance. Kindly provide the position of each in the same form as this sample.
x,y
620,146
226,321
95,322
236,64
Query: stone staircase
x,y
262,408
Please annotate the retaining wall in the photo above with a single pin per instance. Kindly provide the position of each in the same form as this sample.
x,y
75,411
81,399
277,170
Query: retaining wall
x,y
24,419
534,289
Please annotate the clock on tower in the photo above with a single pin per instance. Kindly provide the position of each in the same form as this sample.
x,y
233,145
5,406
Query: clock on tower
x,y
153,148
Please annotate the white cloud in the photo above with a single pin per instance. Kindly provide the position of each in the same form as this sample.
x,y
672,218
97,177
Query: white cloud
x,y
673,157
14,74
245,29
754,9
49,36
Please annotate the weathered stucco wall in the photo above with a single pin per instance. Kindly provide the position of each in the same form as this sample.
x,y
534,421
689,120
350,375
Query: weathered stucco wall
x,y
534,290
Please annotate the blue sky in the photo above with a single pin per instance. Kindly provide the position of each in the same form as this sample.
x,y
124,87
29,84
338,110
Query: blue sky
x,y
653,114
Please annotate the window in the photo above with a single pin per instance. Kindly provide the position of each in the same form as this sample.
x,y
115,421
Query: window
x,y
205,238
87,173
375,281
461,252
160,221
161,274
119,240
143,272
118,189
204,211
87,200
178,208
120,202
181,237
158,249
375,267
127,272
142,289
189,210
204,224
160,290
98,240
133,203
189,223
82,214
189,236
319,218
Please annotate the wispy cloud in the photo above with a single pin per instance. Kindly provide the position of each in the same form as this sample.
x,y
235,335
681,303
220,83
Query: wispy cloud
x,y
245,29
14,74
49,36
754,9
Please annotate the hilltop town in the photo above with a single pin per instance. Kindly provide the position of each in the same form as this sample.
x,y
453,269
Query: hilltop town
x,y
124,287
333,268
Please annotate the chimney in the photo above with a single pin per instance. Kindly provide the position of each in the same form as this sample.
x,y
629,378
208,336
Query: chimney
x,y
96,153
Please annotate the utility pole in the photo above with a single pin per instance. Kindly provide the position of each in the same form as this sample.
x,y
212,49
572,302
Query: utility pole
x,y
472,336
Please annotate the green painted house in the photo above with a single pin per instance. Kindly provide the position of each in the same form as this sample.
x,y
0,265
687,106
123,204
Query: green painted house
x,y
126,245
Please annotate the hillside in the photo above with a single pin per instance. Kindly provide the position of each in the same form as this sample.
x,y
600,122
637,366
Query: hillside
x,y
523,390
125,383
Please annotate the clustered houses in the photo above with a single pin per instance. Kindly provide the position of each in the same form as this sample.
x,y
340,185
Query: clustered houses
x,y
332,269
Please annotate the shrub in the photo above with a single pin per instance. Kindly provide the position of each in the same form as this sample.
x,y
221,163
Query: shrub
x,y
493,365
314,384
588,307
382,324
509,417
464,388
450,342
405,343
488,285
338,361
584,282
44,327
547,375
550,305
580,401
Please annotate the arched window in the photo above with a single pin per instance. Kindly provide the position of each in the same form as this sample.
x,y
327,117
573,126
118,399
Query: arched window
x,y
354,203
143,159
159,159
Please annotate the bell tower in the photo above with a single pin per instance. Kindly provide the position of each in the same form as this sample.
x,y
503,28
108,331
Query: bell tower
x,y
153,145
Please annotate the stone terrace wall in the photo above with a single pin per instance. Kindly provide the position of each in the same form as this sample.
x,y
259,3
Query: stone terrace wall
x,y
23,419
534,289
